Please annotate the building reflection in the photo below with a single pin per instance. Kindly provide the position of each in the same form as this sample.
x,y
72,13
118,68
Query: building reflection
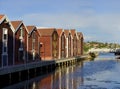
x,y
62,78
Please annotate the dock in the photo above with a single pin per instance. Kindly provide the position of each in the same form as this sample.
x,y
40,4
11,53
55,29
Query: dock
x,y
40,64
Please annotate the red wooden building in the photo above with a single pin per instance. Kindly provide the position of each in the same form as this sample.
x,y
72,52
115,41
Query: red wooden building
x,y
75,38
49,43
33,44
68,43
6,42
62,43
80,43
21,35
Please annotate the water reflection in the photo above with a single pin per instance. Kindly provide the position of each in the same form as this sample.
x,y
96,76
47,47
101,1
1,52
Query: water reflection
x,y
62,78
97,74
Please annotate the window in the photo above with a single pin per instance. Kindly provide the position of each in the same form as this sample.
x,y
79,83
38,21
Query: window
x,y
63,42
55,37
33,40
21,32
5,39
69,45
5,47
5,36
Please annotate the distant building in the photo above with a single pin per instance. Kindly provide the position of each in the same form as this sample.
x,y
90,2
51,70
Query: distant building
x,y
80,44
74,40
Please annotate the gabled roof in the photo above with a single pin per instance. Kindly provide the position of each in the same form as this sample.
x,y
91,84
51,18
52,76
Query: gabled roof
x,y
4,18
16,24
30,28
59,31
73,32
67,32
1,16
80,34
46,31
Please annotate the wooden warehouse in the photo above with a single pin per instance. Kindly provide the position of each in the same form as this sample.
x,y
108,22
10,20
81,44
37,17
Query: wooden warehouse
x,y
49,43
80,43
62,43
68,43
6,42
75,38
21,37
33,44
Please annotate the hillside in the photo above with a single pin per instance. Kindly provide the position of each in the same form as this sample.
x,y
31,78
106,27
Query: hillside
x,y
95,44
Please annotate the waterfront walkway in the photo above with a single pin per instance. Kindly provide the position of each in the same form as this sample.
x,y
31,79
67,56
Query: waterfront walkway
x,y
39,64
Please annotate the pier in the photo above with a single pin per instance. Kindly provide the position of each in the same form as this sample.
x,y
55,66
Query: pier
x,y
52,64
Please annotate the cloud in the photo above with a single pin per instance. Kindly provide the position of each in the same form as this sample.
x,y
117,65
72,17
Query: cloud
x,y
96,19
105,27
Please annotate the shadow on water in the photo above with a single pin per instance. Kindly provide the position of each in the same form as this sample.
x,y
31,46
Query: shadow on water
x,y
31,83
61,78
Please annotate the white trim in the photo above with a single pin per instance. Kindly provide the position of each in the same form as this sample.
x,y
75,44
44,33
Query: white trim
x,y
71,47
76,34
20,49
11,26
27,47
4,41
33,54
25,28
66,47
6,18
18,27
31,30
51,47
59,55
13,49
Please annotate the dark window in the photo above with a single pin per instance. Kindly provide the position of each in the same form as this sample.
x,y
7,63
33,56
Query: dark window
x,y
5,49
5,36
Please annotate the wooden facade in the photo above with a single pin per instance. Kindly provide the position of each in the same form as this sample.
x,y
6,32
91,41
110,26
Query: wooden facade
x,y
33,44
20,44
75,38
6,42
62,43
21,37
80,43
49,43
68,43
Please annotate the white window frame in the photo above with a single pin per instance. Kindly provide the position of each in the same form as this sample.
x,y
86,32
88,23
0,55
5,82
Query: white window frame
x,y
5,41
5,44
33,41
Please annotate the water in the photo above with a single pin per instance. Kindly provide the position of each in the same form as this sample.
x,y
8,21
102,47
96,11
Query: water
x,y
102,73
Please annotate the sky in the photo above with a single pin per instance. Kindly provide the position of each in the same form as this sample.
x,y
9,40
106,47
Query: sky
x,y
98,20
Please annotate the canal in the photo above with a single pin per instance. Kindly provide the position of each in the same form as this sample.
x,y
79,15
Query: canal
x,y
101,73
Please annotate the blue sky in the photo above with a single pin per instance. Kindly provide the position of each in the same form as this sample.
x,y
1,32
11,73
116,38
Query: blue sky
x,y
98,20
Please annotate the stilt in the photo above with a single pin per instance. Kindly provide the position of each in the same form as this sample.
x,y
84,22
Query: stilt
x,y
10,77
19,75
